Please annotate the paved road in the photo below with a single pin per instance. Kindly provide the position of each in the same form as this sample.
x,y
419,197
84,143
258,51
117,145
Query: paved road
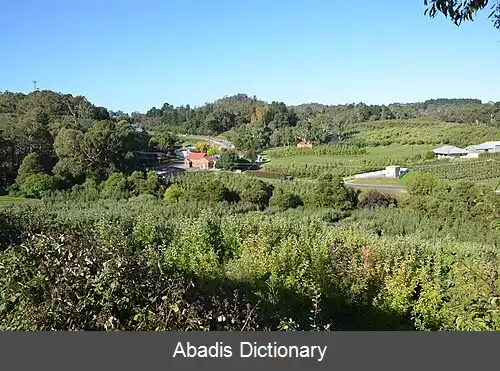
x,y
384,187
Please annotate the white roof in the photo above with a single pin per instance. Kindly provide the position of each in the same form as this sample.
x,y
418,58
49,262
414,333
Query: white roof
x,y
450,150
486,145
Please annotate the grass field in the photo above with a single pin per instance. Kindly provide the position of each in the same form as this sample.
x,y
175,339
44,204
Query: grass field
x,y
375,158
395,151
9,200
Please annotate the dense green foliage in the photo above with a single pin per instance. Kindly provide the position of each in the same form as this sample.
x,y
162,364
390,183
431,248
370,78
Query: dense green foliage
x,y
68,137
423,131
141,264
474,170
111,246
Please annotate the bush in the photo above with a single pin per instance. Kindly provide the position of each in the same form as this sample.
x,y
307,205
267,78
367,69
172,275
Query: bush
x,y
258,193
173,193
38,185
331,192
30,166
228,161
373,199
115,187
284,200
430,155
421,184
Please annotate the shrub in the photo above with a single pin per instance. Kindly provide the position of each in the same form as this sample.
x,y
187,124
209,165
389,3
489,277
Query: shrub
x,y
331,192
373,199
212,151
284,200
228,161
37,185
421,184
173,193
115,187
429,155
258,193
30,166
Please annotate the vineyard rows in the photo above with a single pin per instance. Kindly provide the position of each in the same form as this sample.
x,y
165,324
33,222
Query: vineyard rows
x,y
470,170
313,170
332,150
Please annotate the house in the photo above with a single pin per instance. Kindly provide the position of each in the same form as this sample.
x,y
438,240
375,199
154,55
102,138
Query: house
x,y
304,144
450,152
200,161
485,147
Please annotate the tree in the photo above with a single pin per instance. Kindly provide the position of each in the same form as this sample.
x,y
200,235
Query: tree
x,y
421,184
284,200
105,147
163,140
227,161
258,193
136,183
374,199
37,185
213,151
330,191
173,193
202,146
31,165
462,10
153,185
115,187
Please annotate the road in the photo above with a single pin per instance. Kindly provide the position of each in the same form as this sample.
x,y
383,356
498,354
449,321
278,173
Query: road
x,y
221,143
377,186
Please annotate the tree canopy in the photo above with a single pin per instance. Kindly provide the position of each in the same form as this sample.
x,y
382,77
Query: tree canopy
x,y
462,10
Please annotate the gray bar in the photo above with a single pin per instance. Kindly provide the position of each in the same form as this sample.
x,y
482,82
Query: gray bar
x,y
153,351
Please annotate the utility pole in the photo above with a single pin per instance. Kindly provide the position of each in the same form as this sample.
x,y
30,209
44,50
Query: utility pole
x,y
34,85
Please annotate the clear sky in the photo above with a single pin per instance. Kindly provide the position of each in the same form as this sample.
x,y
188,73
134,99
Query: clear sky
x,y
133,55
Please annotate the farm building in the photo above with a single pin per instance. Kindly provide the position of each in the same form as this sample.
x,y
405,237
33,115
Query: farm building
x,y
304,144
485,147
392,171
450,152
199,160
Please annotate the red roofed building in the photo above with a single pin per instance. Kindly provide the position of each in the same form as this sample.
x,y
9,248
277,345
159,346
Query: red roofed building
x,y
199,160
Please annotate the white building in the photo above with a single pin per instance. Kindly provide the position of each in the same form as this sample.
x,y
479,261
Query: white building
x,y
392,171
450,152
485,147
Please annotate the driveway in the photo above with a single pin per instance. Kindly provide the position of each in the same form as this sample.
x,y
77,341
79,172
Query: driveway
x,y
219,142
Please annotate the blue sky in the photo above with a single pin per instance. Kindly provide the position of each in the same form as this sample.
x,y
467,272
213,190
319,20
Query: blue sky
x,y
133,55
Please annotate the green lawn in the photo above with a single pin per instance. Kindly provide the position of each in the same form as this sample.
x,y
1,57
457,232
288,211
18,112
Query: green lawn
x,y
9,200
394,151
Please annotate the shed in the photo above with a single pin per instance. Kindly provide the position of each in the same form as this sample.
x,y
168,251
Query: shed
x,y
392,171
